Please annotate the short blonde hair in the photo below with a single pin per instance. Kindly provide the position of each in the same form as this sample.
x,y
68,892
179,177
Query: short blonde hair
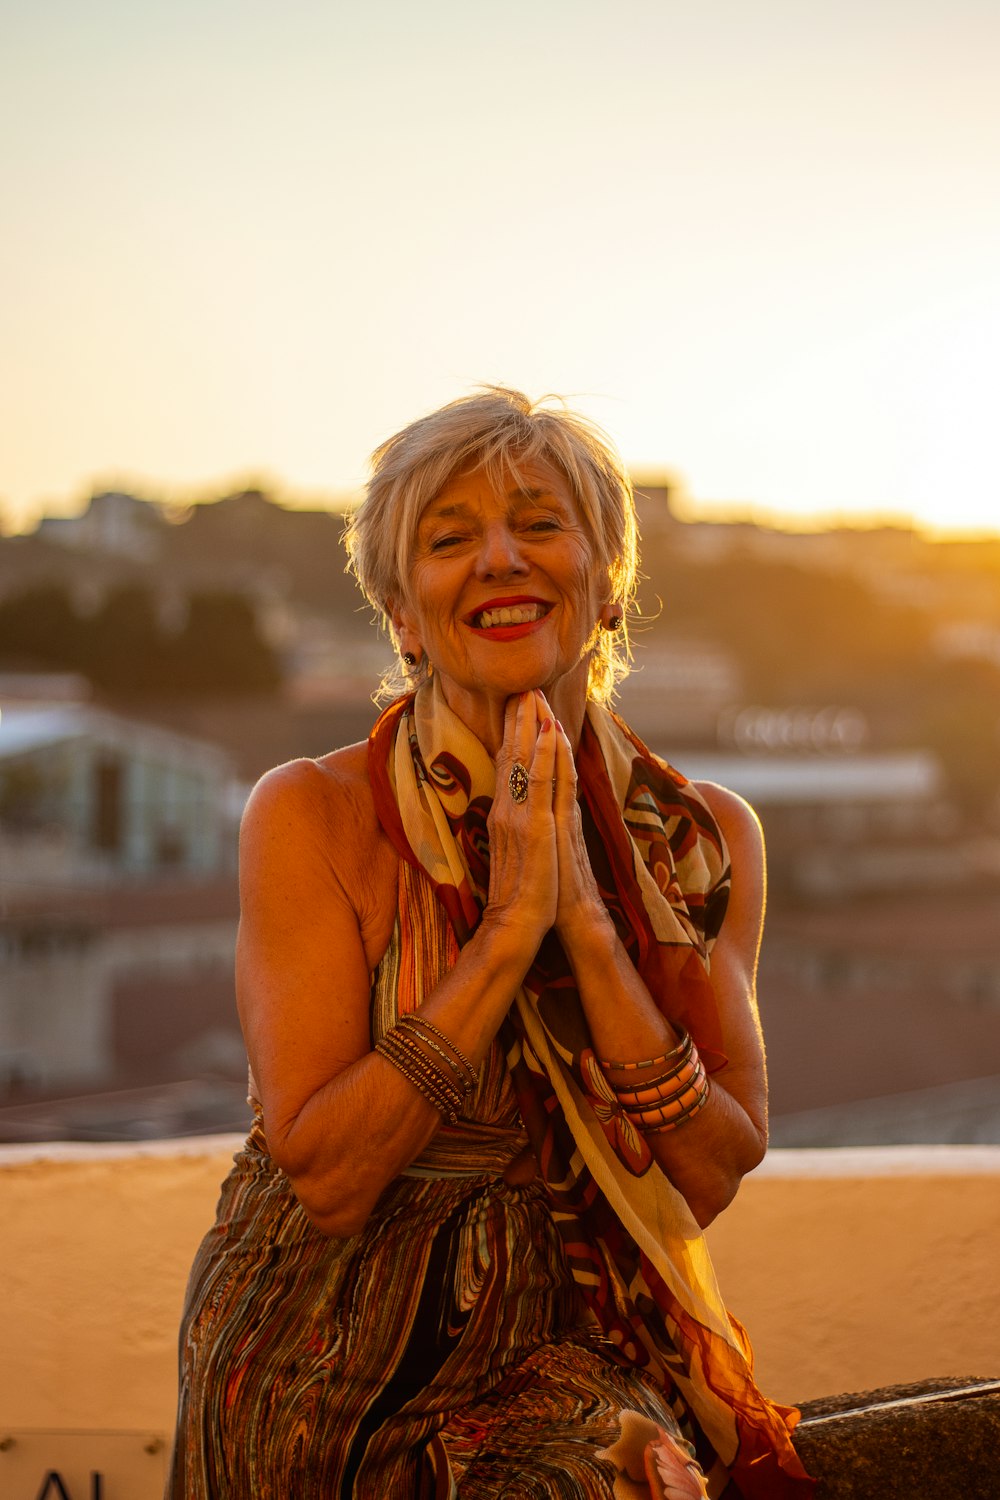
x,y
498,430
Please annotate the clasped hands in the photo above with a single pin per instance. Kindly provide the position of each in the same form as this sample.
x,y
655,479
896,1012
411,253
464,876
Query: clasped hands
x,y
540,874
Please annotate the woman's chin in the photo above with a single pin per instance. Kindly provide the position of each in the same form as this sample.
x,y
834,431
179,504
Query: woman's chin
x,y
487,691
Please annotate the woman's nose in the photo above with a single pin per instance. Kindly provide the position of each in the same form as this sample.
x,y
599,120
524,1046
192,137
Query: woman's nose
x,y
500,554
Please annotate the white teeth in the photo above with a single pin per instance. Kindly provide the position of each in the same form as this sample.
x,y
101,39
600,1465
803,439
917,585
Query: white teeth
x,y
516,614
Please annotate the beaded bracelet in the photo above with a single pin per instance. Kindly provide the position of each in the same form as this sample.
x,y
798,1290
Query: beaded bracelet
x,y
402,1045
424,1084
421,1020
448,1114
410,1061
458,1063
408,1058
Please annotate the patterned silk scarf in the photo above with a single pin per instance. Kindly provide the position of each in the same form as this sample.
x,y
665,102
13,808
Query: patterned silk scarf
x,y
633,1247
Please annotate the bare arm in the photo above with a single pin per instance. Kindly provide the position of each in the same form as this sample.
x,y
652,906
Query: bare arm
x,y
314,867
707,1156
316,872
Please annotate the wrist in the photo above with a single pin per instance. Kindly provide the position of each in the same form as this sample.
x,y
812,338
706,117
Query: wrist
x,y
505,946
588,934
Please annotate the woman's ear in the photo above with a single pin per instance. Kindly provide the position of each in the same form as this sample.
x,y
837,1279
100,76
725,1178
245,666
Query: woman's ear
x,y
405,633
392,611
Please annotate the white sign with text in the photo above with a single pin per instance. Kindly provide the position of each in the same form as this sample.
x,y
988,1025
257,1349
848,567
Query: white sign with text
x,y
53,1464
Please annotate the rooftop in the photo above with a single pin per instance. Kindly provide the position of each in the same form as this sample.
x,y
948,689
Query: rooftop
x,y
855,1270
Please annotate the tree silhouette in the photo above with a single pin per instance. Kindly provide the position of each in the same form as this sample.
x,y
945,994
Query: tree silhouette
x,y
124,649
40,626
220,648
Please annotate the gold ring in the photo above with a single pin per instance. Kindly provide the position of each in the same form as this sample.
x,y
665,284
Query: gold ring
x,y
517,783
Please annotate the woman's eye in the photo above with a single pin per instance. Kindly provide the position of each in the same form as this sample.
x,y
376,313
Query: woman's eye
x,y
439,543
544,523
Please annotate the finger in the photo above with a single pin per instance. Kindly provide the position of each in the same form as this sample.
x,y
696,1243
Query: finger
x,y
532,772
512,708
541,704
520,727
542,768
518,750
564,798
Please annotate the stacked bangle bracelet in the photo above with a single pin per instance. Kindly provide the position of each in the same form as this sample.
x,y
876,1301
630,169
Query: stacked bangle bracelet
x,y
409,1046
671,1096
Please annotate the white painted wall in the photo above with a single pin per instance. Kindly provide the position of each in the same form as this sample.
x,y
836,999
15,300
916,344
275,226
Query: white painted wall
x,y
851,1268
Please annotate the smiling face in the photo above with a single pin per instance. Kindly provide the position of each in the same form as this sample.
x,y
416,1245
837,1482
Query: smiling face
x,y
505,592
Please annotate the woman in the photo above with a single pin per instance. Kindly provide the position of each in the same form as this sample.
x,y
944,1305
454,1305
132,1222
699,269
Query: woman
x,y
497,1091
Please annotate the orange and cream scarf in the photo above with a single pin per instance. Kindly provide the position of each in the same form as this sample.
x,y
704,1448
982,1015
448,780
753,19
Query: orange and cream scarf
x,y
631,1243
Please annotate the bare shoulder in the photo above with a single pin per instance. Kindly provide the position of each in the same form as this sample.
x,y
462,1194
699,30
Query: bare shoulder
x,y
319,815
739,823
326,790
733,815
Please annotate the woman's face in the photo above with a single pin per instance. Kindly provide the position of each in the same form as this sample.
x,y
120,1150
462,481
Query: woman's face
x,y
505,590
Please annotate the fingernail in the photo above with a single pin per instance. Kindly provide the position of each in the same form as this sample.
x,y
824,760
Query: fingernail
x,y
546,724
559,726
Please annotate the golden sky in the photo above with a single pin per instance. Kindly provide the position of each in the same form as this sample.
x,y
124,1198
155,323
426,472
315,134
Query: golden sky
x,y
758,240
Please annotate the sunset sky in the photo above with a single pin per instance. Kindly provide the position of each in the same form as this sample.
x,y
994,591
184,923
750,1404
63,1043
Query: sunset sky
x,y
758,240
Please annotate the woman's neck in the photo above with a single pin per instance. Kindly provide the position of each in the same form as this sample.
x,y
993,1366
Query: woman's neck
x,y
484,713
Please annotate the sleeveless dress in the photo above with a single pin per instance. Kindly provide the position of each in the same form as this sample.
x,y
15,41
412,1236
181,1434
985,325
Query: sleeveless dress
x,y
483,1337
443,1350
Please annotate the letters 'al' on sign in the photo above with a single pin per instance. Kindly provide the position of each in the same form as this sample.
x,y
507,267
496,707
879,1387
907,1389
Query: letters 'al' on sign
x,y
54,1464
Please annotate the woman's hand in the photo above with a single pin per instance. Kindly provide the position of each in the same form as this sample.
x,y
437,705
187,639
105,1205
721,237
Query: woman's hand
x,y
579,908
707,1158
318,886
524,870
540,874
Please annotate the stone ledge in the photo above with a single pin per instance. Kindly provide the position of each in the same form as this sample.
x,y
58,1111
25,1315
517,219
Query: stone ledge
x,y
170,1148
780,1164
783,1163
936,1440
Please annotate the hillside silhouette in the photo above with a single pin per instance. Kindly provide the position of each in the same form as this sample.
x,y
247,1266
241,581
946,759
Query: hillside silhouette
x,y
214,608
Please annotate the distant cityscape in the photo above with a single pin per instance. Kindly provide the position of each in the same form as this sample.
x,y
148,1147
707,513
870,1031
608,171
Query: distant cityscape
x,y
153,666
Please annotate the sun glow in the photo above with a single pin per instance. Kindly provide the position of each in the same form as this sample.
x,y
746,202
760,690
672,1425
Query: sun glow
x,y
803,317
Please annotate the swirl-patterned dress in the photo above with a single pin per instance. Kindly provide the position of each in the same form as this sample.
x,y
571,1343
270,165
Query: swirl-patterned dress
x,y
506,1323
